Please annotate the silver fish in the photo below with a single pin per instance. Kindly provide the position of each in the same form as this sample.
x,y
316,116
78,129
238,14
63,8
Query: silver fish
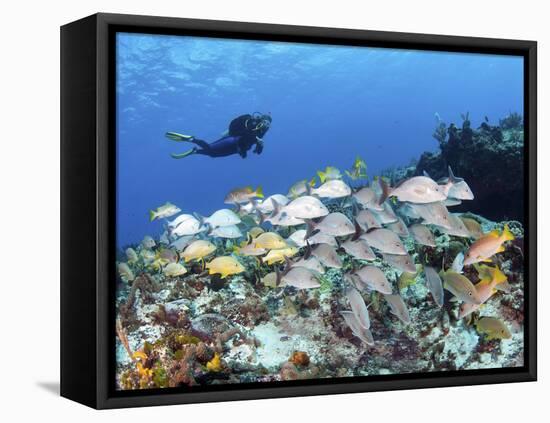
x,y
189,226
180,243
406,209
306,207
297,238
398,307
221,218
321,238
400,262
334,224
283,219
334,188
374,278
367,198
434,285
418,190
450,202
180,219
367,220
358,249
457,227
433,213
457,187
384,240
359,331
231,232
327,255
387,215
266,206
301,278
311,263
399,228
461,191
358,307
422,235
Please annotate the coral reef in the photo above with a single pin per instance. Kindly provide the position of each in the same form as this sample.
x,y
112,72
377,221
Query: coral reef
x,y
490,158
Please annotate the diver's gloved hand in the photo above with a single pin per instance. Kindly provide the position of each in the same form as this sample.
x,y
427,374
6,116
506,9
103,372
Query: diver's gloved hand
x,y
259,146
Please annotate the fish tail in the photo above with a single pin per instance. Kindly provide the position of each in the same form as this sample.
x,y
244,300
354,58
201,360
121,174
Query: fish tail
x,y
322,176
507,234
152,215
386,191
259,192
276,208
310,228
358,230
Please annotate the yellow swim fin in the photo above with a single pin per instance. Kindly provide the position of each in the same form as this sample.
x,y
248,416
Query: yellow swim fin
x,y
174,136
182,155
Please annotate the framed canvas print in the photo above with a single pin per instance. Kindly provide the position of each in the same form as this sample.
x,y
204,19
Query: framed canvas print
x,y
255,211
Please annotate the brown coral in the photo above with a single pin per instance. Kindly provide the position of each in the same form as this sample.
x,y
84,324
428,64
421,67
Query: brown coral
x,y
299,358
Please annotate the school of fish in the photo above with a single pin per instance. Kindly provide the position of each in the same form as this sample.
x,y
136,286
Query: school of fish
x,y
325,221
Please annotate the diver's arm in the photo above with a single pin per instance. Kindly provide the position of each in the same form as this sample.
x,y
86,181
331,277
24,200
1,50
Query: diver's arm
x,y
242,147
259,146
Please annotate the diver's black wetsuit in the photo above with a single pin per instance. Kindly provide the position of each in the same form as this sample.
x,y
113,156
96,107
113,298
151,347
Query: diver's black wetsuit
x,y
244,132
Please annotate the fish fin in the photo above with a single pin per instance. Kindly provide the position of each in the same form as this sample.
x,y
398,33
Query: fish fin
x,y
494,233
312,182
487,260
200,218
386,191
310,228
152,215
174,136
454,300
501,249
503,286
358,230
322,176
276,208
507,234
259,192
458,263
288,265
453,178
426,174
307,254
261,217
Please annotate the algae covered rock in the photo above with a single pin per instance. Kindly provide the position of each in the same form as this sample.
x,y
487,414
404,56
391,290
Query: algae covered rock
x,y
490,158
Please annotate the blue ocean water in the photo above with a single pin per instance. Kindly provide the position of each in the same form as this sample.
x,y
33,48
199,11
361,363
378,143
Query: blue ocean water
x,y
328,104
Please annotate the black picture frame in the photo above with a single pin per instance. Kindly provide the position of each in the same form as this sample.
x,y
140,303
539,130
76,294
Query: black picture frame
x,y
88,218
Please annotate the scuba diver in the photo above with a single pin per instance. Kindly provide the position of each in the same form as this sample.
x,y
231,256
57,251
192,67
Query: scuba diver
x,y
244,132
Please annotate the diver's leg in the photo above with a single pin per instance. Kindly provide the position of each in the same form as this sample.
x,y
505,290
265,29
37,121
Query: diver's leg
x,y
201,143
